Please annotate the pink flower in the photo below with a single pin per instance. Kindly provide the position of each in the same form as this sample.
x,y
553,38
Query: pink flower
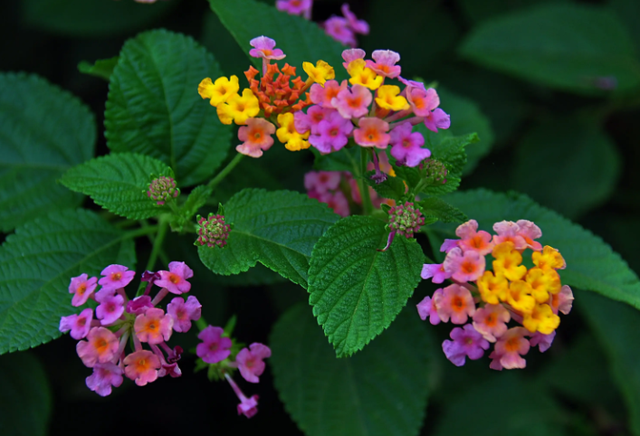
x,y
427,309
104,376
100,347
438,119
116,276
353,102
464,267
310,121
351,54
82,288
332,133
175,280
256,137
436,271
529,231
153,326
509,348
78,324
336,201
250,362
248,406
422,100
322,181
407,146
142,366
542,341
358,26
372,133
509,231
183,313
110,309
454,302
466,342
491,321
264,48
214,347
323,95
472,240
562,301
294,7
339,29
448,244
385,63
411,83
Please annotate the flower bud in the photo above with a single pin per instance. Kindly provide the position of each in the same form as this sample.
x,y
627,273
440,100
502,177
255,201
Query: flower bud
x,y
435,171
162,189
212,231
405,219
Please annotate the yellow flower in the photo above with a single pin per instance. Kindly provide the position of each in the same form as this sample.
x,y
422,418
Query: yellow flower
x,y
289,136
543,283
361,75
508,261
320,73
519,297
388,98
541,319
220,91
239,109
492,288
549,258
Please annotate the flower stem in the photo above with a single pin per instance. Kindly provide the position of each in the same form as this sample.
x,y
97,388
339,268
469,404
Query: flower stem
x,y
367,205
225,171
140,232
157,242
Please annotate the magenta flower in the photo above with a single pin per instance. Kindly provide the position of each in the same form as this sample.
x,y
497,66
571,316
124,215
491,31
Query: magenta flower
x,y
154,326
407,146
142,366
100,347
353,102
332,134
464,267
491,321
372,132
139,305
115,276
105,375
323,95
183,313
542,341
385,63
310,121
509,231
438,119
214,348
264,48
82,287
110,309
436,271
509,348
175,280
336,201
351,54
358,26
454,302
467,342
448,244
322,181
339,29
78,324
294,7
411,83
250,361
426,309
248,406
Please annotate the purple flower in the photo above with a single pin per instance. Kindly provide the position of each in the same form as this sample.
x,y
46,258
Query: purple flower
x,y
104,376
183,313
385,63
438,119
339,29
294,7
110,309
214,348
115,276
436,271
78,324
427,309
333,133
358,26
139,305
466,342
407,146
353,102
175,280
543,341
82,287
264,48
250,361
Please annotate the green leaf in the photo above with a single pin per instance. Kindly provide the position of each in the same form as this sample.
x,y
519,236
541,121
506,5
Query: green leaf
x,y
102,68
196,199
357,291
36,266
278,229
392,188
381,391
441,210
346,159
571,153
25,396
95,18
565,46
36,148
154,107
591,264
118,182
300,39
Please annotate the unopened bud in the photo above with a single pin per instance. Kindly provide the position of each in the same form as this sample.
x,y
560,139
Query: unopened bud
x,y
435,171
162,189
212,231
405,219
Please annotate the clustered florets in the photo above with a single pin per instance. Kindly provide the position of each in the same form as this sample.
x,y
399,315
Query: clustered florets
x,y
435,171
162,189
405,219
212,231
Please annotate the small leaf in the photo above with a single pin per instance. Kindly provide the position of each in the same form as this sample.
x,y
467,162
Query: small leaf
x,y
196,199
591,264
579,48
393,187
357,291
441,210
25,396
36,148
300,39
37,263
118,182
102,68
378,392
154,107
278,229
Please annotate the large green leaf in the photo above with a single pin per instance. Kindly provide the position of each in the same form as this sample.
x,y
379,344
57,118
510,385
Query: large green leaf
x,y
154,107
618,329
118,182
591,264
380,391
357,291
278,229
573,47
43,132
36,265
569,165
94,18
301,40
25,397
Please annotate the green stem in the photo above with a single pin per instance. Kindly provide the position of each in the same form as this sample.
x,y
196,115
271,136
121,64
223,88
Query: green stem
x,y
201,324
225,171
367,205
140,232
157,242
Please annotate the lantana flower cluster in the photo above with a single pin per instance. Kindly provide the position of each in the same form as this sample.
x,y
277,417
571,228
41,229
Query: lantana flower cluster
x,y
485,297
218,351
103,334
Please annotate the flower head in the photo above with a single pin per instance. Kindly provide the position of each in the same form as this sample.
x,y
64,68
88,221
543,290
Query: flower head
x,y
352,102
110,309
162,189
407,146
332,133
82,287
464,266
491,321
509,349
105,375
256,136
405,219
100,347
220,91
388,97
472,239
372,132
319,73
454,302
115,277
385,63
467,342
250,361
78,324
239,109
153,326
175,280
214,347
183,312
142,366
264,47
212,231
